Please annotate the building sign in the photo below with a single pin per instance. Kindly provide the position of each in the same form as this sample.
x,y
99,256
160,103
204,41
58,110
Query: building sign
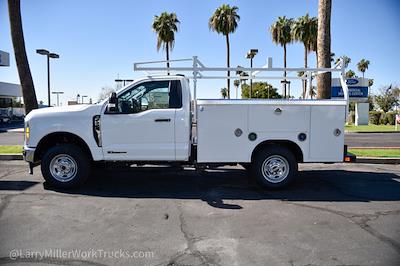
x,y
358,89
354,92
4,58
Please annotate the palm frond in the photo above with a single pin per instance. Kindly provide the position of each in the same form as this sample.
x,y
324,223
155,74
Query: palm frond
x,y
165,25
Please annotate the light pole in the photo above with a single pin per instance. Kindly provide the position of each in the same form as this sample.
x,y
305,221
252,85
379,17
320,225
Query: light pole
x,y
58,93
83,96
250,55
49,55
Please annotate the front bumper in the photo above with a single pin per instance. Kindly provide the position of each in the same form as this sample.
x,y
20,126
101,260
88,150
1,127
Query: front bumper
x,y
29,154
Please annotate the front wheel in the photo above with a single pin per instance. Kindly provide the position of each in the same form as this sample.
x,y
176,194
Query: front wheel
x,y
274,167
65,166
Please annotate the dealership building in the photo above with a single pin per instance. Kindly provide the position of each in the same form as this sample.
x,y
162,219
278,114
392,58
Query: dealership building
x,y
9,92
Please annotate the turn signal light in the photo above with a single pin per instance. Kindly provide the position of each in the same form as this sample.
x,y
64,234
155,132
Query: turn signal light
x,y
27,134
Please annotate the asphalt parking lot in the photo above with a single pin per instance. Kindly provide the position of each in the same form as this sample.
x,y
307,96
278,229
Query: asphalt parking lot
x,y
336,214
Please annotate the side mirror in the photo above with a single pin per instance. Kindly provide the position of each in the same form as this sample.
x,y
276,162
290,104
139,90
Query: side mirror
x,y
112,106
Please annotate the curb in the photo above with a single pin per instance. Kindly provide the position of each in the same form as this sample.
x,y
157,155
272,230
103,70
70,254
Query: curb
x,y
369,132
11,156
377,160
373,148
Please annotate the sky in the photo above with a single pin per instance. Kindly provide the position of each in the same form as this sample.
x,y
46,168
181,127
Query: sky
x,y
99,40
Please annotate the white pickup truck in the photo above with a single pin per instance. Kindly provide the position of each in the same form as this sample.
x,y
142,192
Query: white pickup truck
x,y
151,121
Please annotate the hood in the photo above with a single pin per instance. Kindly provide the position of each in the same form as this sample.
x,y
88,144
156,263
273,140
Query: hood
x,y
70,110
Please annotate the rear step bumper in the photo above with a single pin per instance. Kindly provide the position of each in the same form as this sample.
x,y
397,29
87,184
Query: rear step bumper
x,y
348,157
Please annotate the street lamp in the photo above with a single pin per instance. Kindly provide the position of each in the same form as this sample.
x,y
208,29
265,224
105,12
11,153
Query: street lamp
x,y
58,93
250,55
83,96
49,55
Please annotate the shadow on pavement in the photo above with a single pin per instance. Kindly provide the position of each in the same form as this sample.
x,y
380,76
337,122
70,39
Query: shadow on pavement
x,y
16,185
12,125
216,186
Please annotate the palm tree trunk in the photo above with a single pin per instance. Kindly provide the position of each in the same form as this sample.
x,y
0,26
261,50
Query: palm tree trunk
x,y
24,72
363,74
167,52
324,47
237,91
305,66
284,73
228,65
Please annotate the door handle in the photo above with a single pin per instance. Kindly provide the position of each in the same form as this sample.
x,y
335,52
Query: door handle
x,y
162,120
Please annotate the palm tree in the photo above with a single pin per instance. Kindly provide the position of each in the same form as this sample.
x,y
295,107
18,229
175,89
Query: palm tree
x,y
324,47
350,74
314,37
346,60
281,35
224,93
225,21
24,72
305,30
240,73
363,66
165,26
236,83
313,46
244,74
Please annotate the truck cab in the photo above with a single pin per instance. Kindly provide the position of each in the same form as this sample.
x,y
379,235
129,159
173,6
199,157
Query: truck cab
x,y
151,121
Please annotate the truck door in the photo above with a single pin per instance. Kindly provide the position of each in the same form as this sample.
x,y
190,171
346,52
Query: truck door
x,y
143,126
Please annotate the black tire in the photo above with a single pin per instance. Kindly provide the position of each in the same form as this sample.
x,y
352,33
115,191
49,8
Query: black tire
x,y
246,166
281,164
75,162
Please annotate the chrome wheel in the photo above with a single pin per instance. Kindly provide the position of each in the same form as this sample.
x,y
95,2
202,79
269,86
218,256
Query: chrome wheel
x,y
275,168
63,167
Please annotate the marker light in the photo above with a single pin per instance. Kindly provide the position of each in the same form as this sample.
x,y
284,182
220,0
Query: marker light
x,y
27,133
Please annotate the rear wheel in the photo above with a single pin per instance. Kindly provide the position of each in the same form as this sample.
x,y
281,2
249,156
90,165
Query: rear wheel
x,y
65,166
274,167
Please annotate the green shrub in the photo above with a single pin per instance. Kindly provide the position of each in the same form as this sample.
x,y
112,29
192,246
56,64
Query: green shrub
x,y
374,117
383,120
390,116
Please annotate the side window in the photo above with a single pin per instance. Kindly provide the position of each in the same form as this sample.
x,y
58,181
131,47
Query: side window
x,y
155,99
144,96
151,95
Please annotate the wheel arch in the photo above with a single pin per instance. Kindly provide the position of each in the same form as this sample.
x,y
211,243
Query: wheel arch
x,y
57,138
290,145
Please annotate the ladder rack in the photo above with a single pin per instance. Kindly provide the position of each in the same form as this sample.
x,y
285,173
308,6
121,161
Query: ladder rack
x,y
197,68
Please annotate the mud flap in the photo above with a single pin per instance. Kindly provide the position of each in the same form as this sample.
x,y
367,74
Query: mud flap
x,y
348,157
